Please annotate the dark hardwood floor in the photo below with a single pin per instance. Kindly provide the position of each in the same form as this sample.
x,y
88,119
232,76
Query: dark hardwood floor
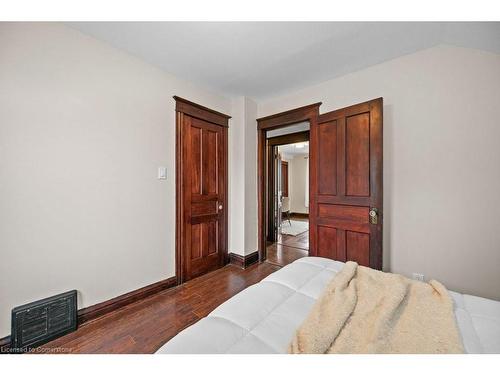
x,y
300,241
144,326
281,255
288,248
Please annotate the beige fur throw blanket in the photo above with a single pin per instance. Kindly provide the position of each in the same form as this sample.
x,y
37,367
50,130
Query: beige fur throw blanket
x,y
367,311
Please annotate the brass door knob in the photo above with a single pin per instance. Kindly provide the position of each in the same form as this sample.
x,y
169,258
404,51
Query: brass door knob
x,y
373,215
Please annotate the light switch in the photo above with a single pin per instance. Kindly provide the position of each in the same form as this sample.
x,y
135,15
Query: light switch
x,y
162,173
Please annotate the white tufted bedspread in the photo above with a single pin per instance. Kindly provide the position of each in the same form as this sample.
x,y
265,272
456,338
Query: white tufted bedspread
x,y
263,317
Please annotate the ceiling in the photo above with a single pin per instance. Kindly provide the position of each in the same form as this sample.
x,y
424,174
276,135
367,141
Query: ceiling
x,y
265,59
300,148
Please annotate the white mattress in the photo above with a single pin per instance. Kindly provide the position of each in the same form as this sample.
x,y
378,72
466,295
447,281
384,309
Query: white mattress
x,y
264,317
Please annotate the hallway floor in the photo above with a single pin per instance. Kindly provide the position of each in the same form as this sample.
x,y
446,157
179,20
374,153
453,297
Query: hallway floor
x,y
288,248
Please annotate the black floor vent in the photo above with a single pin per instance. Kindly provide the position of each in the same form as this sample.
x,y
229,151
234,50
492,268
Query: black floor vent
x,y
38,322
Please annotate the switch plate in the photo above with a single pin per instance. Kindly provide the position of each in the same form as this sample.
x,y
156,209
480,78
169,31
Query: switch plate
x,y
418,276
162,173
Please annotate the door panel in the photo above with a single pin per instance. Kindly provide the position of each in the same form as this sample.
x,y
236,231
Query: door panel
x,y
354,214
195,134
327,157
212,237
358,247
327,242
204,148
346,183
357,146
209,164
204,208
195,241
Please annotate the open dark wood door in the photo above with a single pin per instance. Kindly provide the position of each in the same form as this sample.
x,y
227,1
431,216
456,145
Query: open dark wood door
x,y
284,178
203,192
346,184
278,196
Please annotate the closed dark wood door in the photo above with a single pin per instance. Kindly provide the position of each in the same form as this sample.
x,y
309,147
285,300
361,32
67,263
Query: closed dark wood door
x,y
346,184
204,179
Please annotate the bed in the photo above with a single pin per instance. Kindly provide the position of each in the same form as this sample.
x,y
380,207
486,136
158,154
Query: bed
x,y
264,317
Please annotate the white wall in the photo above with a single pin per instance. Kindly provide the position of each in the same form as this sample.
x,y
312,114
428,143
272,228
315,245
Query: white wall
x,y
83,128
243,177
251,233
297,183
236,156
441,160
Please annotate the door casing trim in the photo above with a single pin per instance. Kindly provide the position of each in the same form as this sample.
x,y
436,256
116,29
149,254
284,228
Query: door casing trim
x,y
271,175
264,124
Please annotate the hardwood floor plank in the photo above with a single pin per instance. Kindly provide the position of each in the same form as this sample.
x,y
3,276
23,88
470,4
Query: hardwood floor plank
x,y
288,248
281,255
145,325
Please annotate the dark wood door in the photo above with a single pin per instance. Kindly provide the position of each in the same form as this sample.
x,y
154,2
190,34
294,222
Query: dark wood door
x,y
202,190
346,184
284,178
204,180
278,196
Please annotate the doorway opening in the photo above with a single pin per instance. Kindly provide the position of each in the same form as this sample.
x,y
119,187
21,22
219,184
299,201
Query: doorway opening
x,y
288,195
345,184
283,196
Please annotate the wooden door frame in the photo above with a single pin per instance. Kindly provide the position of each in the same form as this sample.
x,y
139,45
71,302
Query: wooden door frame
x,y
186,107
270,145
264,124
